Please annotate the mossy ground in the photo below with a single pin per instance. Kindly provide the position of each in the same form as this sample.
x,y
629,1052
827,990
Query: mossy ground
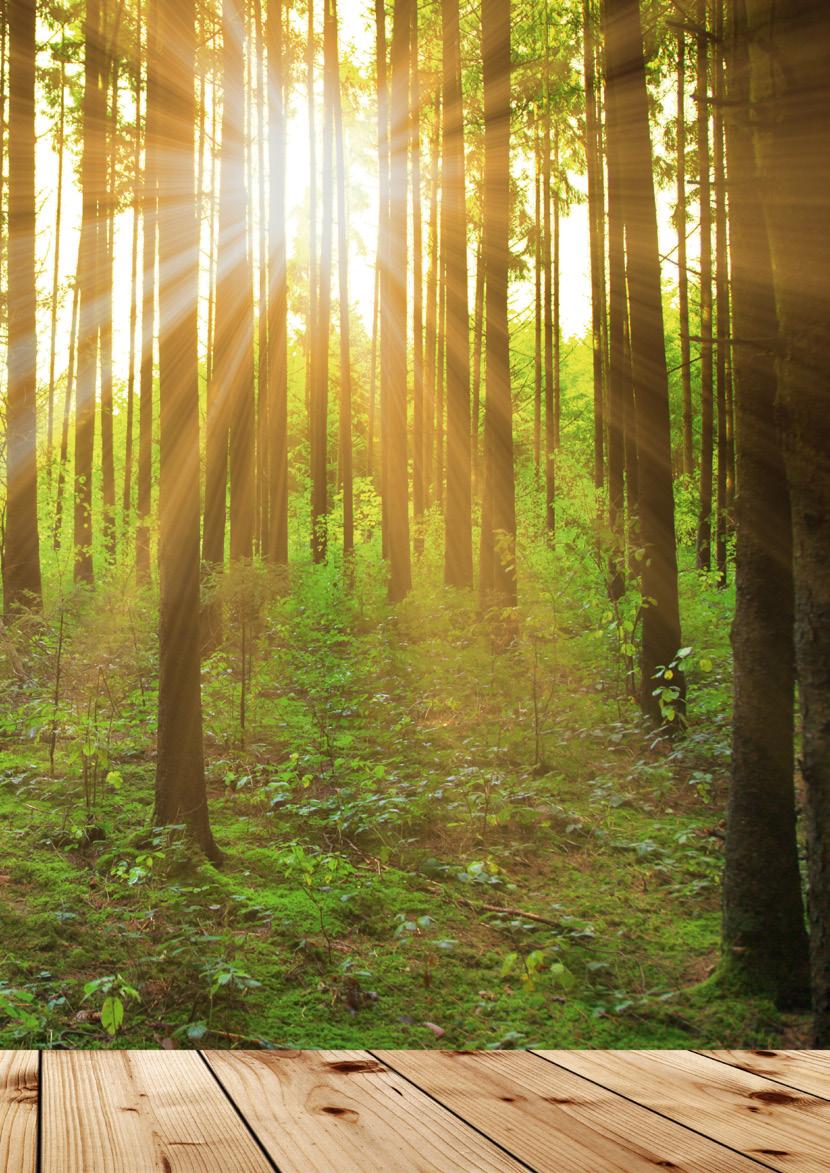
x,y
394,774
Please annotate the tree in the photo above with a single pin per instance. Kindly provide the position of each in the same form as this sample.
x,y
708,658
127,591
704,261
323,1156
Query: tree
x,y
92,181
393,331
765,938
230,422
458,533
681,221
789,47
277,437
629,154
498,531
21,565
180,773
596,232
704,525
345,419
144,488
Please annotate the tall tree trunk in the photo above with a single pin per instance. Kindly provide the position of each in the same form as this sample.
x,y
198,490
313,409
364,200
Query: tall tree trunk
x,y
149,212
345,419
180,773
56,260
722,293
478,346
596,230
704,527
458,537
764,935
93,112
22,548
67,405
106,231
417,289
320,360
628,128
127,495
682,260
557,308
790,46
537,297
383,246
277,549
547,265
498,535
431,340
229,408
619,374
264,421
394,315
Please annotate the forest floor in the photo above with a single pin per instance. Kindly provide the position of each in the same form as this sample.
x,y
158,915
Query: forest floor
x,y
427,842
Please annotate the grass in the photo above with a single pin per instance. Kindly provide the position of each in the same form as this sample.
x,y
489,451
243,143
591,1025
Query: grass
x,y
428,842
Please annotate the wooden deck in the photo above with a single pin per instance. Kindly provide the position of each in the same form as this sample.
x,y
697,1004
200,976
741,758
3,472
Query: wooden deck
x,y
250,1111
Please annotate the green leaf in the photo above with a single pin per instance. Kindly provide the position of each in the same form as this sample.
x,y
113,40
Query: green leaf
x,y
112,1015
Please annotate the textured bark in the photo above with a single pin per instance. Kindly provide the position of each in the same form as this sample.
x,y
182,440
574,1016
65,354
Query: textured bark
x,y
630,154
498,535
180,775
790,46
721,293
764,934
56,260
547,297
21,564
393,332
430,338
458,534
418,496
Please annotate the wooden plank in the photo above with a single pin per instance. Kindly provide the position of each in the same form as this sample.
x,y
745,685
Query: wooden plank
x,y
809,1071
554,1120
139,1112
783,1128
344,1112
18,1111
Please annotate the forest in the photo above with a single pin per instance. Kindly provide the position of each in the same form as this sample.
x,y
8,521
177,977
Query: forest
x,y
415,523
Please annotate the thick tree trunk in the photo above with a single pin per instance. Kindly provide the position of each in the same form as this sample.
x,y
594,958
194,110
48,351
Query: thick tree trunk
x,y
458,533
180,775
393,329
790,46
56,260
498,534
764,935
630,154
22,549
619,375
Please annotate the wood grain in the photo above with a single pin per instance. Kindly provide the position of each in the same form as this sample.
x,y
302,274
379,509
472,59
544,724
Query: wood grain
x,y
784,1129
809,1071
344,1112
554,1120
139,1112
18,1111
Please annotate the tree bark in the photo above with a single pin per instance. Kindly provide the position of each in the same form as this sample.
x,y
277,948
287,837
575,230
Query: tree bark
x,y
458,533
498,534
21,563
683,261
765,941
277,439
789,84
628,131
180,776
704,526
